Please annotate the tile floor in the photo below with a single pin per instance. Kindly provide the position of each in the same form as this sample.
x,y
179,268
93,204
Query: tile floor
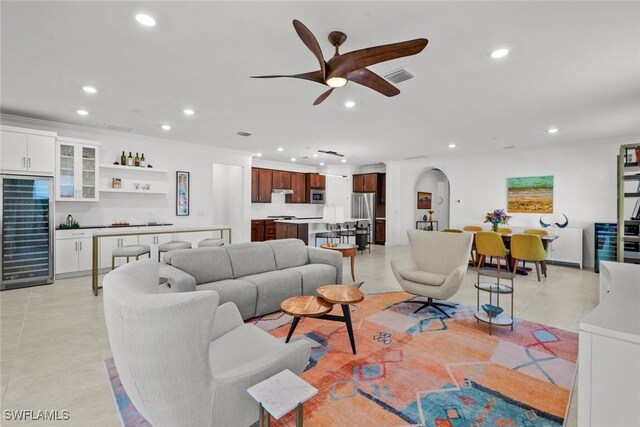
x,y
53,338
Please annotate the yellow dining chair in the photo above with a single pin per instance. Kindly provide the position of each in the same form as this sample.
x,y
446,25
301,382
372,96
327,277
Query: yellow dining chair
x,y
490,244
474,254
451,230
540,232
505,230
528,247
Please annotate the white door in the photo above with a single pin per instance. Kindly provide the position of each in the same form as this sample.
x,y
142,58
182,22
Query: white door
x,y
13,151
67,255
42,154
66,188
85,260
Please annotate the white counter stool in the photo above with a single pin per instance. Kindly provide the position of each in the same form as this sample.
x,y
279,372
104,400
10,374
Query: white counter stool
x,y
210,242
172,246
128,252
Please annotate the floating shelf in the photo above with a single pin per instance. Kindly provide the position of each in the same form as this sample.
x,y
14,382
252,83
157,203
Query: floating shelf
x,y
118,190
133,169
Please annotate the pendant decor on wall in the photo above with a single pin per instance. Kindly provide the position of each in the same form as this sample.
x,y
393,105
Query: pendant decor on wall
x,y
532,194
559,225
182,193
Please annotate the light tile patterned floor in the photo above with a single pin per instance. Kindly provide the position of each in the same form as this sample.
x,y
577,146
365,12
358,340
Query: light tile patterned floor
x,y
53,338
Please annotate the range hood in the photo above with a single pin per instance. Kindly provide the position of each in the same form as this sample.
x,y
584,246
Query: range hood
x,y
281,191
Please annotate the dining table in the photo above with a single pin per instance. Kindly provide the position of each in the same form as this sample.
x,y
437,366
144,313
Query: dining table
x,y
506,238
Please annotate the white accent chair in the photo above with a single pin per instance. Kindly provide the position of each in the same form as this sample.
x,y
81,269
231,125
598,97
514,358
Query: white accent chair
x,y
437,268
184,360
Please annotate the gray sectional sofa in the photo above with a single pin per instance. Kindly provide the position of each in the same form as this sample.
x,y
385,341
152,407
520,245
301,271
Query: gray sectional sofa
x,y
255,276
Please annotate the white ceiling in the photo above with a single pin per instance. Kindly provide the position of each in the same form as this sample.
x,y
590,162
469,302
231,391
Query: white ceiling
x,y
573,65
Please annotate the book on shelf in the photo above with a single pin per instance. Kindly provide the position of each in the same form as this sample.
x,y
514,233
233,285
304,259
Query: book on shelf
x,y
116,183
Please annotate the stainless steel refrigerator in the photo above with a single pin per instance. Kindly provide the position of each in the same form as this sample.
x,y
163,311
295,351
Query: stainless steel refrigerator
x,y
26,210
363,206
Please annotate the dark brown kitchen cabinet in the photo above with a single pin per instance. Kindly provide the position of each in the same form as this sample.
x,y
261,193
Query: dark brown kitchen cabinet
x,y
358,183
269,229
261,185
257,230
286,230
281,180
380,231
298,187
316,181
365,183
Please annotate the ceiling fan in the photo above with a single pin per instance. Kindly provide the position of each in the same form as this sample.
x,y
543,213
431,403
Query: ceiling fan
x,y
351,66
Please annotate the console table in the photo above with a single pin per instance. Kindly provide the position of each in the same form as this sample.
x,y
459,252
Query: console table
x,y
97,236
428,227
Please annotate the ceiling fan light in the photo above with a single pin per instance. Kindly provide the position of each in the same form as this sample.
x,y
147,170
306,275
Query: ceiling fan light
x,y
336,81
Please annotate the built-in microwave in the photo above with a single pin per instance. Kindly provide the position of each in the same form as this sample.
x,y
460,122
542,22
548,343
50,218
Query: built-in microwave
x,y
317,196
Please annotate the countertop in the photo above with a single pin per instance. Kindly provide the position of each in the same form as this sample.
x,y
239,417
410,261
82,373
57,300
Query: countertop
x,y
312,220
115,226
276,219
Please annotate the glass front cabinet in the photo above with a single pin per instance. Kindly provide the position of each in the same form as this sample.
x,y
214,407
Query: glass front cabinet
x,y
77,170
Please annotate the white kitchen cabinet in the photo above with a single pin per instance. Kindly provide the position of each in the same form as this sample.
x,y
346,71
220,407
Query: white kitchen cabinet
x,y
73,250
27,151
77,170
154,240
567,248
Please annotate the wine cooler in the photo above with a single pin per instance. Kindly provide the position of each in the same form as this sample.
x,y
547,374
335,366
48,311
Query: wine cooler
x,y
27,231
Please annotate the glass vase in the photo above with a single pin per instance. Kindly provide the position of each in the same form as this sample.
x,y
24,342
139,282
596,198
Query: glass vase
x,y
494,227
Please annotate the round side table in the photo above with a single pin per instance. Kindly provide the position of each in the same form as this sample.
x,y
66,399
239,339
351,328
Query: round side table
x,y
347,251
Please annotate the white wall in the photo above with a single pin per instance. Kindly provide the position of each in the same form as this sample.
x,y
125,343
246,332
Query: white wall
x,y
197,159
584,187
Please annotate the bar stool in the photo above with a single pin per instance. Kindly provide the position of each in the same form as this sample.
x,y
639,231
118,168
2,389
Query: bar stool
x,y
210,242
172,246
128,252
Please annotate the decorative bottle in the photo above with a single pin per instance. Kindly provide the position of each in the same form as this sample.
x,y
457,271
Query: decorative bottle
x,y
123,159
137,160
143,162
130,159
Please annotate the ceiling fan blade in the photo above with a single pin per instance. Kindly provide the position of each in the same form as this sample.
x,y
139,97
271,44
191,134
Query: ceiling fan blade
x,y
343,64
311,43
314,76
323,97
371,80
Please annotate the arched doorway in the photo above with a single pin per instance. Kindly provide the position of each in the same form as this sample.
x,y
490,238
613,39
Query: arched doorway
x,y
435,182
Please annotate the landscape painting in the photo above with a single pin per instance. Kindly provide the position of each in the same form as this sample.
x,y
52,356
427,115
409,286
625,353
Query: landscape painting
x,y
424,200
531,194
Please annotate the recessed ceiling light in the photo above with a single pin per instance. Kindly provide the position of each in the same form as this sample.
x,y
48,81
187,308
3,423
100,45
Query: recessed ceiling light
x,y
350,104
90,89
166,127
499,53
82,112
145,20
259,154
188,111
321,164
315,154
452,145
553,130
344,160
293,159
280,149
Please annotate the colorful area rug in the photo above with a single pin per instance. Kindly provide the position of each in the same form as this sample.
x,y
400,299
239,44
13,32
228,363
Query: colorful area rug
x,y
424,369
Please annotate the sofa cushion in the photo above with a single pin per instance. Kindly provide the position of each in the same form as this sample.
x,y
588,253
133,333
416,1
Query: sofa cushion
x,y
250,258
273,288
240,292
433,279
289,253
314,276
204,264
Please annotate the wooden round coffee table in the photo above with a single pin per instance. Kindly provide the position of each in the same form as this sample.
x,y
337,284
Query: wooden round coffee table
x,y
319,307
346,250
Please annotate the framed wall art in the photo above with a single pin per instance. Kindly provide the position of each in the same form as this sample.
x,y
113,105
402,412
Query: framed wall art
x,y
182,193
424,200
530,194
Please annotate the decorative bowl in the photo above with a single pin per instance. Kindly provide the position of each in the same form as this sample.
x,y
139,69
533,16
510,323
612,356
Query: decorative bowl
x,y
492,310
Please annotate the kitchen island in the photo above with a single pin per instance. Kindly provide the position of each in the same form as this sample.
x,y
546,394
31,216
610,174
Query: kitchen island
x,y
303,229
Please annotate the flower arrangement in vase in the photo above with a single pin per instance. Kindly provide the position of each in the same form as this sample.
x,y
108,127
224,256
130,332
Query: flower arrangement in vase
x,y
498,216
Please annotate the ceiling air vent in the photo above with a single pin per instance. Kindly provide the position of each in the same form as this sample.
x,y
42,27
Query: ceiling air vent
x,y
399,75
331,153
118,128
243,133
